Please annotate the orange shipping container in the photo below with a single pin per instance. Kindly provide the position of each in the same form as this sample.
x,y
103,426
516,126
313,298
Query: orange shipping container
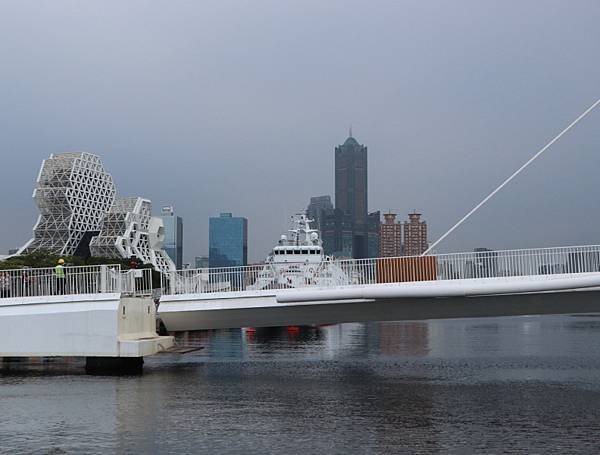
x,y
399,270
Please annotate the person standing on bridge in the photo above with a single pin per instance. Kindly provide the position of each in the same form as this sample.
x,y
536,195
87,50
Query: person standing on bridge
x,y
60,277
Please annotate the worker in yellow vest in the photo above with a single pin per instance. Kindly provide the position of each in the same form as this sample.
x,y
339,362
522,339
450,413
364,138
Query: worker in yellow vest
x,y
60,276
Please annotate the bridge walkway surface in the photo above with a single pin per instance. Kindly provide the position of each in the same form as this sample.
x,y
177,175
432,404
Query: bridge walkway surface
x,y
557,280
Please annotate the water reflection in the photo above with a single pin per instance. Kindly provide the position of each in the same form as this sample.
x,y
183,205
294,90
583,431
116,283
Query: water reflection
x,y
480,386
408,339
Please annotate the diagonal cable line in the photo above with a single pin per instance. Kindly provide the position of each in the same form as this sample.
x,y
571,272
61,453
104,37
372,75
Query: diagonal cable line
x,y
517,172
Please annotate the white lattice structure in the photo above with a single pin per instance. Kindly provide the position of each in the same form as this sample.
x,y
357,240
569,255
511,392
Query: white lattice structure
x,y
129,229
73,192
76,200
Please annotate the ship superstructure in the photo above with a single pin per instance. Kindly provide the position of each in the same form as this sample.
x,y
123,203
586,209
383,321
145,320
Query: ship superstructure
x,y
298,260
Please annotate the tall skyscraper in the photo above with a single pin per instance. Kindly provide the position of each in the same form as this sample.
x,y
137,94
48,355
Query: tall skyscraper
x,y
390,236
173,243
351,196
351,180
228,241
415,235
319,207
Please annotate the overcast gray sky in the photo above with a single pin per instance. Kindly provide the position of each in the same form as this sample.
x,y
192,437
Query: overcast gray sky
x,y
237,106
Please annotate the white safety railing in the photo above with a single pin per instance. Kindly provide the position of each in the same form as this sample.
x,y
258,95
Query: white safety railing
x,y
40,282
136,282
477,264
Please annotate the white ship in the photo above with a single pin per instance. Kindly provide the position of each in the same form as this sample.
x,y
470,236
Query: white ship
x,y
298,260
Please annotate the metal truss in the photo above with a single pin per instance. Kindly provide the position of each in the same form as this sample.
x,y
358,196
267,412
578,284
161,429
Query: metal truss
x,y
76,196
129,229
73,192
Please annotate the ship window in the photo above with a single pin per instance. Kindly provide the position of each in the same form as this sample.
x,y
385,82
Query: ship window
x,y
304,251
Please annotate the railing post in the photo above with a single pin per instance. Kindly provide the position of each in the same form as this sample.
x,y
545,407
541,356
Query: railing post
x,y
103,278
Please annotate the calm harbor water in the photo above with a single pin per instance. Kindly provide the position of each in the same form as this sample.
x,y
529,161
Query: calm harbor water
x,y
504,385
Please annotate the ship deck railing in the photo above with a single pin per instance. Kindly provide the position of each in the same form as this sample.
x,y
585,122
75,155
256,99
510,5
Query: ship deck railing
x,y
434,267
78,280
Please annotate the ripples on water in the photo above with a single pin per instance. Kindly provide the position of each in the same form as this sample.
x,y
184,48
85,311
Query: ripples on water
x,y
505,385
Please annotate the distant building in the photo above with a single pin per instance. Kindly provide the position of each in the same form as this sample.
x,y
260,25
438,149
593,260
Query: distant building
x,y
201,262
373,223
318,208
228,241
351,180
351,197
336,233
415,235
173,243
390,239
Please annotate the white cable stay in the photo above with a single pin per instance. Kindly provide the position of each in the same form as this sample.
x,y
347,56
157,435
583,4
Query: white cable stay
x,y
517,172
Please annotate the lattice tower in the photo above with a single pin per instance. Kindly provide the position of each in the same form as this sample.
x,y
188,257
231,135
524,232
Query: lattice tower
x,y
129,229
73,192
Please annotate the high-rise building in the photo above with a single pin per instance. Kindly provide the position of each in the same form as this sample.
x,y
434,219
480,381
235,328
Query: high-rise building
x,y
173,243
351,193
415,235
228,241
351,180
390,240
319,207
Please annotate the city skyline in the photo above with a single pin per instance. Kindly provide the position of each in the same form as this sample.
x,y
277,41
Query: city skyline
x,y
220,116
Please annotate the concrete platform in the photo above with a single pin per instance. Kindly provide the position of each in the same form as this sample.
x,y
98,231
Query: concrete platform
x,y
87,325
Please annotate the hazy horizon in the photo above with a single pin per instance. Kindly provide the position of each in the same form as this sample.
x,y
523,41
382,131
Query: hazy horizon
x,y
237,107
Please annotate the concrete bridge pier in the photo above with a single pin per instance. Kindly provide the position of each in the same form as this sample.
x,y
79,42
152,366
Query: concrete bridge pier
x,y
112,332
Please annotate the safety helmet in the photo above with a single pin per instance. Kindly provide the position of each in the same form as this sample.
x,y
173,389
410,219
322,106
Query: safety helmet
x,y
61,261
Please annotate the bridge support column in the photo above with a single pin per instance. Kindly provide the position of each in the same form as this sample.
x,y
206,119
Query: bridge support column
x,y
114,365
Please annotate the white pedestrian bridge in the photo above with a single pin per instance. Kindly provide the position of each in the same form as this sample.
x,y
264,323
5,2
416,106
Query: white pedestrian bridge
x,y
98,312
102,312
476,284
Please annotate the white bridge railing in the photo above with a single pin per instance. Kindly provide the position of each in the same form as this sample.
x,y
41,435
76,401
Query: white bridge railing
x,y
453,266
94,279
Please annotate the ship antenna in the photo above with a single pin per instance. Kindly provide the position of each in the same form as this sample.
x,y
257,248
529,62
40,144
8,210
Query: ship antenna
x,y
517,172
